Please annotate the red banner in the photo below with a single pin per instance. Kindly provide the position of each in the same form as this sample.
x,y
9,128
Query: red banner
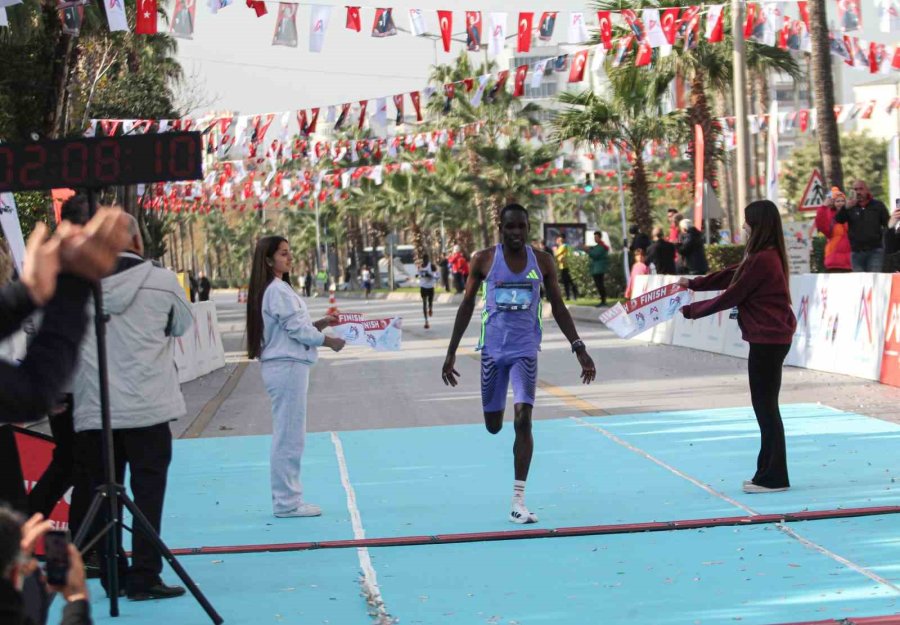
x,y
35,454
890,359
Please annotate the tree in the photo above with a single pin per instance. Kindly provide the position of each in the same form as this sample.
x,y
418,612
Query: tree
x,y
823,94
864,158
629,120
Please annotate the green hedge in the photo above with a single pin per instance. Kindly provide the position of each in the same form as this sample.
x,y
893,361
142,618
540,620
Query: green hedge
x,y
615,276
721,256
817,255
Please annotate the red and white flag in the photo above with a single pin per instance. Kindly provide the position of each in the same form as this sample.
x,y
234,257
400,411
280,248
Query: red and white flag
x,y
145,24
115,15
417,104
577,28
318,23
525,24
497,40
895,64
669,24
521,73
715,27
354,22
473,31
579,63
259,6
313,120
398,104
417,22
656,37
445,19
803,8
605,26
363,105
644,54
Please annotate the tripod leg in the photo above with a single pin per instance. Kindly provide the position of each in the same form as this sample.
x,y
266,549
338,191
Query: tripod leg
x,y
89,518
141,524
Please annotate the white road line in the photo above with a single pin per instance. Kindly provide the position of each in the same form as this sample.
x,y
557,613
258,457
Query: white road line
x,y
709,489
369,577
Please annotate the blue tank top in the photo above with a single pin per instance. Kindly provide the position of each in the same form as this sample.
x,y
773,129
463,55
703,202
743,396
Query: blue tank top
x,y
511,323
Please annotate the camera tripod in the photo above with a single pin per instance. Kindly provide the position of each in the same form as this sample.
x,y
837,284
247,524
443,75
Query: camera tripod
x,y
111,494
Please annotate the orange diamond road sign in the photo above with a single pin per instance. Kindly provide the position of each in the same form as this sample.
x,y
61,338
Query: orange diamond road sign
x,y
815,194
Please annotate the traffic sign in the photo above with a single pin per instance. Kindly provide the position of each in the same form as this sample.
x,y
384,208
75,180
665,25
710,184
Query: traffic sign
x,y
814,196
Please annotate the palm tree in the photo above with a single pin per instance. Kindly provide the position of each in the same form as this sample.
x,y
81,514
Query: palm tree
x,y
631,121
705,67
823,95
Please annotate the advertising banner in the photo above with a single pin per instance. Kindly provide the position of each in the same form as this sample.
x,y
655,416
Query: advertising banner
x,y
35,454
646,311
890,359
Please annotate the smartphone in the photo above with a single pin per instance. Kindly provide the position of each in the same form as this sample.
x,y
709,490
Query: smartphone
x,y
56,551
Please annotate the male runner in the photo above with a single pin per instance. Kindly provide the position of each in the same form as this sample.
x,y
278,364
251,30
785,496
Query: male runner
x,y
510,339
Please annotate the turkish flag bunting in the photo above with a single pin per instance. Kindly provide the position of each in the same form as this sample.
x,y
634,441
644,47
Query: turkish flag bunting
x,y
605,26
715,27
314,117
784,33
579,62
363,105
398,103
259,6
521,72
804,120
896,62
750,23
869,109
669,23
414,96
503,76
525,25
804,12
644,54
469,83
146,18
353,20
445,19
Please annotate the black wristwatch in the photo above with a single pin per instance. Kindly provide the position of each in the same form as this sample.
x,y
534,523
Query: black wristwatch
x,y
577,344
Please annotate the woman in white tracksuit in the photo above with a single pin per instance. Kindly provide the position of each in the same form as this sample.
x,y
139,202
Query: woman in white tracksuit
x,y
281,334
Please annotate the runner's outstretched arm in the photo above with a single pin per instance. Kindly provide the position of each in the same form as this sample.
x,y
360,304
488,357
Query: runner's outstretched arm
x,y
563,318
464,315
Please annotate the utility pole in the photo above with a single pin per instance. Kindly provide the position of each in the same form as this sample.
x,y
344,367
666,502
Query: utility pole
x,y
740,108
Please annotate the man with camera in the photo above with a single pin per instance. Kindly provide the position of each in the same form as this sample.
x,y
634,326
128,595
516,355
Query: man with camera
x,y
146,309
17,543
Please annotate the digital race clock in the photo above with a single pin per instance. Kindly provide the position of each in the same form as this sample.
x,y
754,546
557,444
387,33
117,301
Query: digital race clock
x,y
101,161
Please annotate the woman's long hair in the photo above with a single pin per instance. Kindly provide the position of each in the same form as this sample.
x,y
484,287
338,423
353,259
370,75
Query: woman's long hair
x,y
765,232
261,275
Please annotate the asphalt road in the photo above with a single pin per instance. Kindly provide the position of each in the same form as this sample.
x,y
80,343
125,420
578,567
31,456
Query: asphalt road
x,y
361,389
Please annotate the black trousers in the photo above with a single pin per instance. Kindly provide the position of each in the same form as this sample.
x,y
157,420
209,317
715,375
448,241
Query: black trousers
x,y
568,284
764,368
600,283
427,300
147,451
12,483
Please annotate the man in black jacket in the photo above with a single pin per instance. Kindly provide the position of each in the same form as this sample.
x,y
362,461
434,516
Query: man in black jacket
x,y
866,219
31,389
691,250
17,542
661,253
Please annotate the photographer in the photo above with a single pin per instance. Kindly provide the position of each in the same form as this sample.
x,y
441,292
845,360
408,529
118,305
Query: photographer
x,y
147,308
17,542
31,389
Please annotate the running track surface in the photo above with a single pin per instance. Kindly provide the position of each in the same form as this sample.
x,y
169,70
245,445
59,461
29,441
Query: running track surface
x,y
624,469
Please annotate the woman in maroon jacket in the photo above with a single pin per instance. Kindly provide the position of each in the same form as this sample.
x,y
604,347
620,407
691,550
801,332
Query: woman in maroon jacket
x,y
759,290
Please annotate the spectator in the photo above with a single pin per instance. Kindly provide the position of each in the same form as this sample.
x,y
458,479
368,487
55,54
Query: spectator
x,y
366,277
867,220
445,272
308,283
599,265
205,287
837,248
639,268
146,308
674,221
690,249
427,274
17,543
892,242
562,253
661,254
193,285
459,266
639,240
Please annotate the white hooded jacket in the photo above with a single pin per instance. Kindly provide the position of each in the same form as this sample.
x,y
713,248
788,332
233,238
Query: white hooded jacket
x,y
147,309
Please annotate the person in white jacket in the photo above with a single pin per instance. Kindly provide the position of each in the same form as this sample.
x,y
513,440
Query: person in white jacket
x,y
146,309
282,335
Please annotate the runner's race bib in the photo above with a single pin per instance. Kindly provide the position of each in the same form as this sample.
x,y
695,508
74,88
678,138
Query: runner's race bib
x,y
513,296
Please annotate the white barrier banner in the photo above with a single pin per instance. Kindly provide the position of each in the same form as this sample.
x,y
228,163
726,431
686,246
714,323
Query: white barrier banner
x,y
200,351
382,335
646,311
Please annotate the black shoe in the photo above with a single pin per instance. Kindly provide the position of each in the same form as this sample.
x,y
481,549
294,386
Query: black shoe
x,y
157,591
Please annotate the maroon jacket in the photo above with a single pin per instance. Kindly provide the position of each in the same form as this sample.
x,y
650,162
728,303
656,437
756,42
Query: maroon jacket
x,y
761,295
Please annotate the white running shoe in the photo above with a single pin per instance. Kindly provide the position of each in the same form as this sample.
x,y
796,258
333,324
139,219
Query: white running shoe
x,y
753,489
520,514
303,510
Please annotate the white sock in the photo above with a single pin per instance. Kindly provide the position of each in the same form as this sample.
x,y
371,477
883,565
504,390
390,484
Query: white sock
x,y
519,490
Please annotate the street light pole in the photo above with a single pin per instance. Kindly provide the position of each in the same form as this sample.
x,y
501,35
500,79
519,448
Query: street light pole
x,y
740,108
624,217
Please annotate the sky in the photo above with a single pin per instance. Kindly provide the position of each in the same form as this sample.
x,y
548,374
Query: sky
x,y
233,66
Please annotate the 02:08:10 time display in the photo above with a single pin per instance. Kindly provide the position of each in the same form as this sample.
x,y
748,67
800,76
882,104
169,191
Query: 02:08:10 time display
x,y
100,162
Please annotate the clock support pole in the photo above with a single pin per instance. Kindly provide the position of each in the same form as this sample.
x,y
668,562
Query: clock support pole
x,y
111,494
